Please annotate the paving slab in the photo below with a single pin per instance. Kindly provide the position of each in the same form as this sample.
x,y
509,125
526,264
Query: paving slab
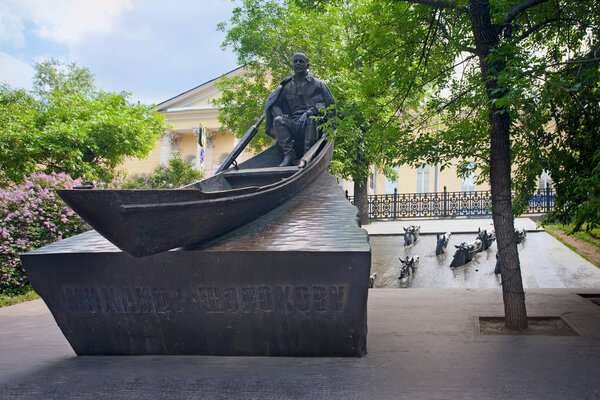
x,y
422,344
454,225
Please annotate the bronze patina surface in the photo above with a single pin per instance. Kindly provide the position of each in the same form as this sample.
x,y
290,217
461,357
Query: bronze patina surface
x,y
294,282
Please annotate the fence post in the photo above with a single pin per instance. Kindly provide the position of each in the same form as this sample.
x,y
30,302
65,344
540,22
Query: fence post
x,y
445,201
395,202
547,197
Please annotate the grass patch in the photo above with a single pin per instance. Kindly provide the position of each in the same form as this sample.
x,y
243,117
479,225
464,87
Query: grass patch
x,y
586,237
592,237
6,301
586,244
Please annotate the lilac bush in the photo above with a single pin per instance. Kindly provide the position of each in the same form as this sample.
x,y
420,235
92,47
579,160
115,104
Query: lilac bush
x,y
31,216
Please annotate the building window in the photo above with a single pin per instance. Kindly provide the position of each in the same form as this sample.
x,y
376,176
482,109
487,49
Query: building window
x,y
467,184
372,183
390,185
545,179
423,179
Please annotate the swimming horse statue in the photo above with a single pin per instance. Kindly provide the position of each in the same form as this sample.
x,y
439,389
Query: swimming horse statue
x,y
408,267
411,234
442,243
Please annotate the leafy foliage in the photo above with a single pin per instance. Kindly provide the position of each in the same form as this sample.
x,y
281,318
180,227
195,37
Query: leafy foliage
x,y
175,174
574,149
70,128
31,216
240,105
473,72
53,76
264,34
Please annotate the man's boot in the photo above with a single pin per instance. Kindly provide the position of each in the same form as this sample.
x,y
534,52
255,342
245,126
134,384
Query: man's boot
x,y
311,134
286,143
288,159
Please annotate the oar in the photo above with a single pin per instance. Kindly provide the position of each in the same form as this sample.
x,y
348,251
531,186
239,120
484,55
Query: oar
x,y
311,152
240,146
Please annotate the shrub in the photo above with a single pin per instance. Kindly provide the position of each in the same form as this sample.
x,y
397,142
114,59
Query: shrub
x,y
175,174
32,215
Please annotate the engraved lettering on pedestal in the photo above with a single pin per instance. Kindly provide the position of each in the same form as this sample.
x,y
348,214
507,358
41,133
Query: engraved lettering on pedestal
x,y
302,299
160,298
202,299
216,300
319,299
109,303
283,299
130,305
265,299
230,300
143,298
336,298
215,303
91,298
249,304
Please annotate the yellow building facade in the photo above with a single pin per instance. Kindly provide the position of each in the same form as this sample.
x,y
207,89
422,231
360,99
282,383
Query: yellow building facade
x,y
184,114
427,179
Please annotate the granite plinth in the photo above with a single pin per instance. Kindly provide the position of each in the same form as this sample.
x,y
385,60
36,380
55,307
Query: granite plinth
x,y
293,282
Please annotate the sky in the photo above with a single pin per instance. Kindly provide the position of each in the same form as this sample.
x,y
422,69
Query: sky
x,y
154,49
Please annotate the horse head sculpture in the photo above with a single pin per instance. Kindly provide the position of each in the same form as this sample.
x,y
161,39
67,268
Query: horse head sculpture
x,y
411,234
520,235
486,238
465,252
442,243
408,266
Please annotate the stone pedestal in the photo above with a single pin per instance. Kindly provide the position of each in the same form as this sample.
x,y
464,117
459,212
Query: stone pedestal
x,y
292,283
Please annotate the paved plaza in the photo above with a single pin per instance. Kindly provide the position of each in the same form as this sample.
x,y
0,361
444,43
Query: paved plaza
x,y
423,343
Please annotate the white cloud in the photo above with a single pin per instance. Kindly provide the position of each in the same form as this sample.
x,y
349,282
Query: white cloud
x,y
158,52
68,21
15,72
11,28
148,47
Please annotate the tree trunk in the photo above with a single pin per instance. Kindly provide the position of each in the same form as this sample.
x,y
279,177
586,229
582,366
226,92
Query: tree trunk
x,y
486,38
361,200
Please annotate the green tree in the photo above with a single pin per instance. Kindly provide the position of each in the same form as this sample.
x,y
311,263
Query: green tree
x,y
240,104
264,34
175,174
473,72
573,146
71,128
18,112
52,76
490,109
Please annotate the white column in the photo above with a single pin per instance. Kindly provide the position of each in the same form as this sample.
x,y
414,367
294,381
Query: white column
x,y
165,147
209,154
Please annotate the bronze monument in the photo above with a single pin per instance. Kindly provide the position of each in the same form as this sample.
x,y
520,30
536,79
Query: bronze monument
x,y
250,279
295,110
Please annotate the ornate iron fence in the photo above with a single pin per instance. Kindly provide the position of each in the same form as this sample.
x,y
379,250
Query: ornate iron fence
x,y
446,204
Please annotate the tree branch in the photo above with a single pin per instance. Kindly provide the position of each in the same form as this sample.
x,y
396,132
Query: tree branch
x,y
438,4
520,8
574,62
536,27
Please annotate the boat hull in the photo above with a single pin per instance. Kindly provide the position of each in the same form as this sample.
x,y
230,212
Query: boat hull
x,y
146,222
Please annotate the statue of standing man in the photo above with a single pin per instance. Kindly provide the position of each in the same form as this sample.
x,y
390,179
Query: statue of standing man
x,y
295,110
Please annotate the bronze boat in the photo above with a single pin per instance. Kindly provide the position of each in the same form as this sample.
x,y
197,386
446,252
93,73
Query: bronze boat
x,y
146,222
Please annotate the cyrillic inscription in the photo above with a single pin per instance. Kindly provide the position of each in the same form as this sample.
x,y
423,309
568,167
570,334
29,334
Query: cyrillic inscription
x,y
246,300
